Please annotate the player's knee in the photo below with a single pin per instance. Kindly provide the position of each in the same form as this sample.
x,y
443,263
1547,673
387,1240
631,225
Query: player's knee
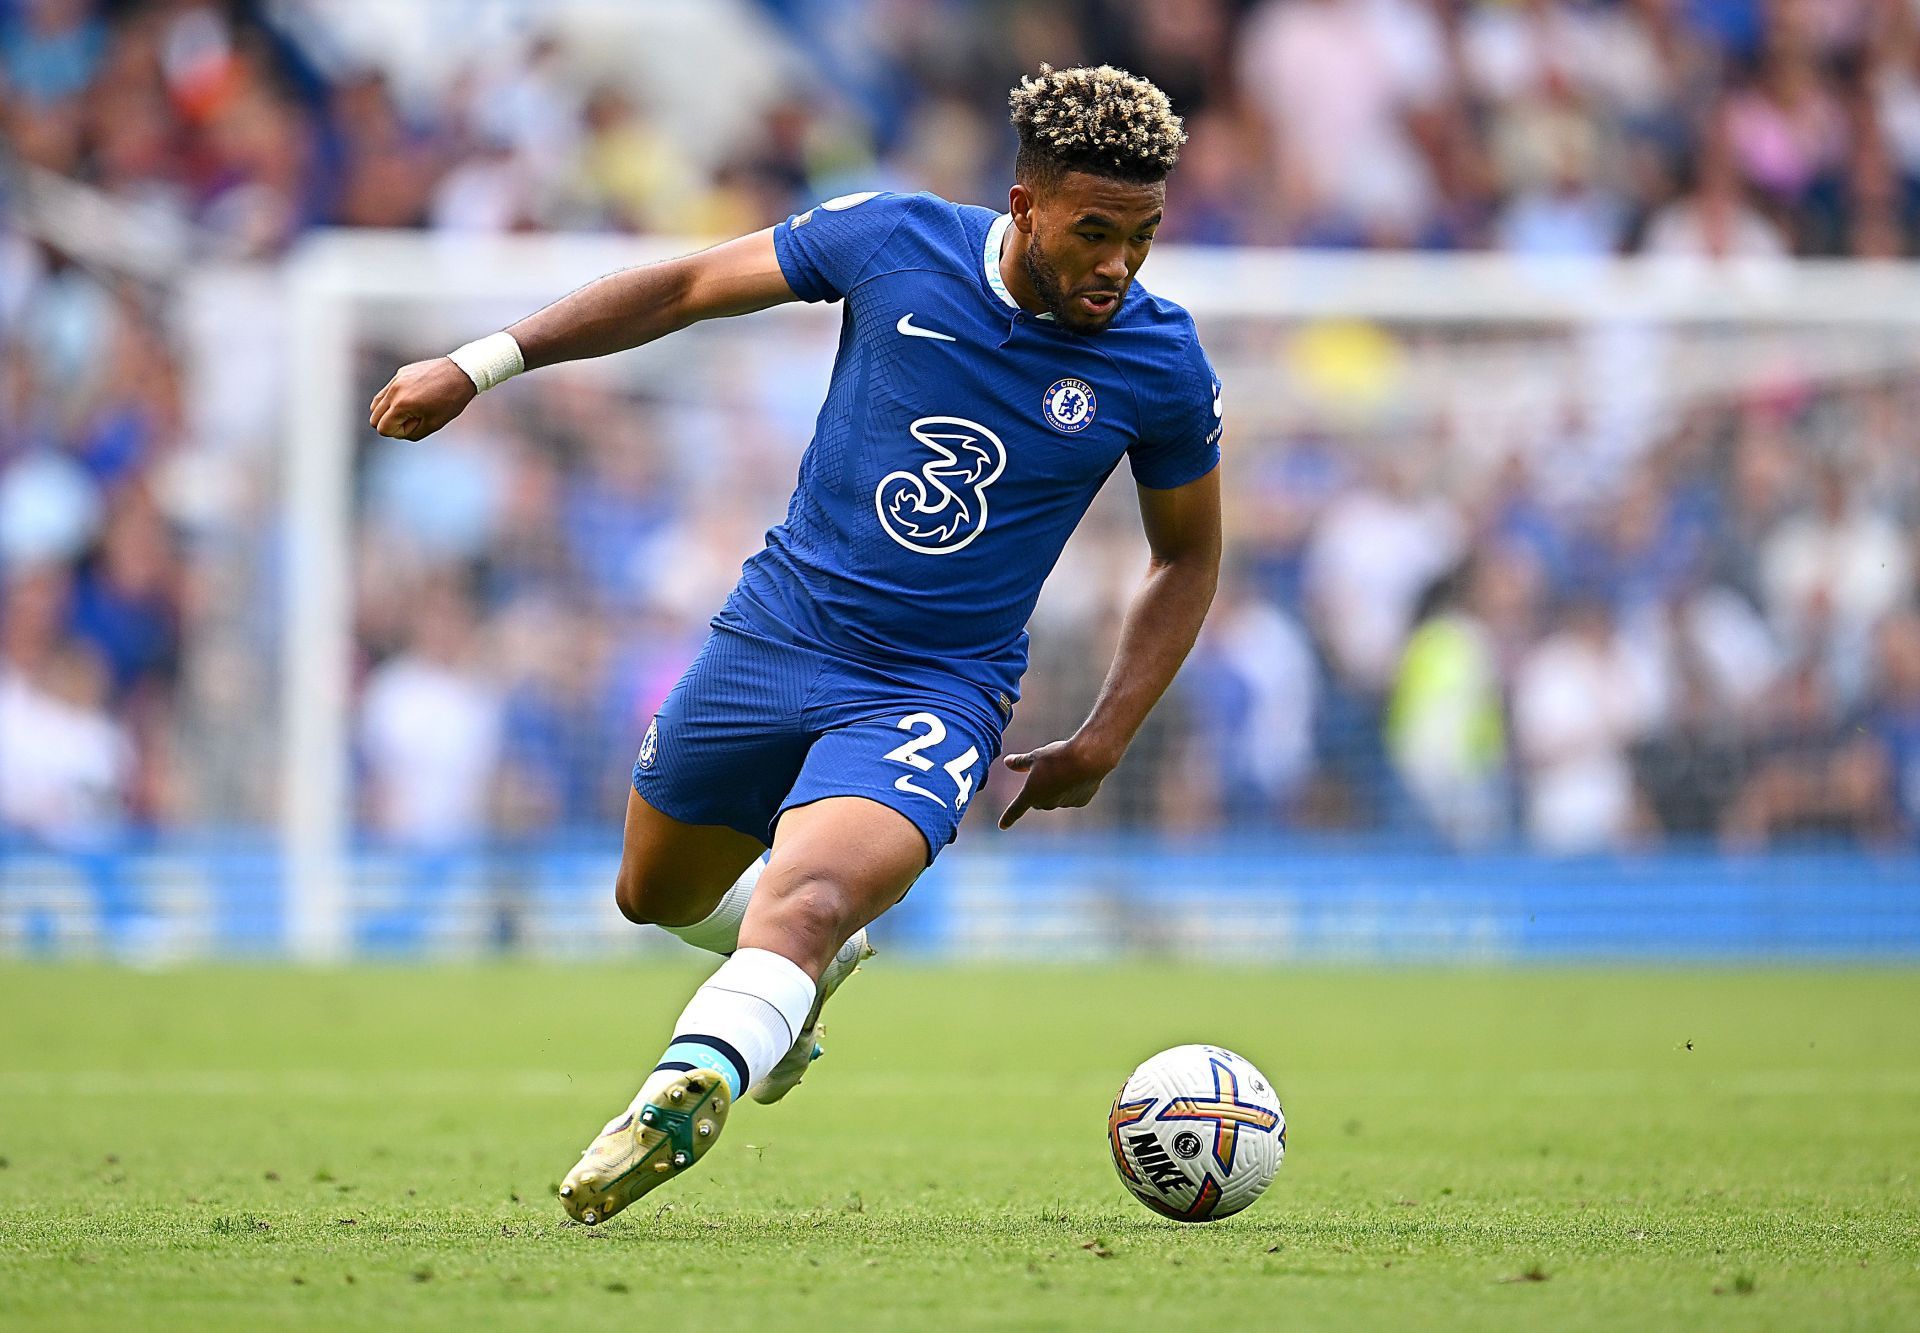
x,y
815,907
629,895
644,900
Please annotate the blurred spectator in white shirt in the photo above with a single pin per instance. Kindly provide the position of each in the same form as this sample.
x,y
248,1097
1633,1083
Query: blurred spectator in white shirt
x,y
1581,698
487,193
430,733
1830,574
1337,81
65,764
1373,552
1714,220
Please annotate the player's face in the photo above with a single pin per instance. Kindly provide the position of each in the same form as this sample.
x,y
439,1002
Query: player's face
x,y
1086,238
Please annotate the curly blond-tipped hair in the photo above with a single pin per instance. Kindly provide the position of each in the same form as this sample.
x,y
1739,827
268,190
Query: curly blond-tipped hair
x,y
1095,119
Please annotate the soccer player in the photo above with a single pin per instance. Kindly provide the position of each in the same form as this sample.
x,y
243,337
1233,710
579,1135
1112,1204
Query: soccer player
x,y
993,370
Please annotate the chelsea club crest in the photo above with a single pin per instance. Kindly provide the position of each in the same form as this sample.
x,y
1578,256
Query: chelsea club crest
x,y
650,744
1069,405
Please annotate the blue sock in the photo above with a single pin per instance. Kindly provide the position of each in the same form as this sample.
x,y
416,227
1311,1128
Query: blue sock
x,y
697,1052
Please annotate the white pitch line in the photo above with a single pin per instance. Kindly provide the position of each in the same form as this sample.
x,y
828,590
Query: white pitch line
x,y
293,1083
449,1083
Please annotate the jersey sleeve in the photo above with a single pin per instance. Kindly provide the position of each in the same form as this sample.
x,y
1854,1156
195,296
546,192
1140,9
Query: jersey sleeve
x,y
1180,438
828,249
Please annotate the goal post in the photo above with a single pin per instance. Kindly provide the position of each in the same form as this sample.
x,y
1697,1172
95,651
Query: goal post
x,y
330,280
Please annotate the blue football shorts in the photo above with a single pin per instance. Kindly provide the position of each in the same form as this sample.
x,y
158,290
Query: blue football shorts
x,y
757,726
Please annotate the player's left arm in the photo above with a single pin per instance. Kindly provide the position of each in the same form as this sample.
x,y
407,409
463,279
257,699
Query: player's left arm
x,y
1183,536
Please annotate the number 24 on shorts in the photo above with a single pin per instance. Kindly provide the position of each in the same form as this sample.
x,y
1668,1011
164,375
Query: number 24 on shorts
x,y
931,731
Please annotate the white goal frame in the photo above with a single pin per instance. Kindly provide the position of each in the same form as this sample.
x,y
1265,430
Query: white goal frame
x,y
333,274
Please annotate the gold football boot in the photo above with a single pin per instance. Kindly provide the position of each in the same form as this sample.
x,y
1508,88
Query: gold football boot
x,y
677,1116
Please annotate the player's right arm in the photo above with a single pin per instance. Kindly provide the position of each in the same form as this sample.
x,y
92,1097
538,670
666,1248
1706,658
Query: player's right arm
x,y
610,314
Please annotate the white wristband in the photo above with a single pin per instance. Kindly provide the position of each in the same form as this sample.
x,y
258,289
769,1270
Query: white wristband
x,y
488,361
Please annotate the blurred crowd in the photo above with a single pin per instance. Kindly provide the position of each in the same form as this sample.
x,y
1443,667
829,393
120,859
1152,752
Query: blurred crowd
x,y
1716,639
1558,126
1715,636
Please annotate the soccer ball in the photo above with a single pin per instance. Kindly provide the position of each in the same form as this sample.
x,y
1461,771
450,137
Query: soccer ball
x,y
1197,1133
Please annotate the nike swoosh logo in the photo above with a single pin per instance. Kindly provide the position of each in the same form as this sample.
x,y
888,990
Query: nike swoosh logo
x,y
912,330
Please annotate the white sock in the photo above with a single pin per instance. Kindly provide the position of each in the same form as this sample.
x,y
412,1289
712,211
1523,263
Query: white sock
x,y
743,1020
719,930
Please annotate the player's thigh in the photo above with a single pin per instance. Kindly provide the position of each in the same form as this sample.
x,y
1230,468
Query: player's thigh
x,y
721,754
837,864
672,873
876,800
923,759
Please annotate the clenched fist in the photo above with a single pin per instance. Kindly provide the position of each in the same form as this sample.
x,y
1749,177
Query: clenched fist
x,y
420,399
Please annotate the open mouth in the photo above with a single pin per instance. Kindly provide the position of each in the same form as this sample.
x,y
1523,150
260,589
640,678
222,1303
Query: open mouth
x,y
1099,303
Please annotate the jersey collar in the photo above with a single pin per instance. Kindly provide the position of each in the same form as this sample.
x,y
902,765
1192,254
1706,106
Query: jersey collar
x,y
990,259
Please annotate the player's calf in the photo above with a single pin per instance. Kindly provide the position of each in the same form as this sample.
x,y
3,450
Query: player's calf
x,y
785,1076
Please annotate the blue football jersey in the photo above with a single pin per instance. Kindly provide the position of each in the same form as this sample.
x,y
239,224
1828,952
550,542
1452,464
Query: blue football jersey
x,y
961,441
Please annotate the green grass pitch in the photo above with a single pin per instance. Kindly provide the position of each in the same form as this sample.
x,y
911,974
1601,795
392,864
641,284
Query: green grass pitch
x,y
249,1147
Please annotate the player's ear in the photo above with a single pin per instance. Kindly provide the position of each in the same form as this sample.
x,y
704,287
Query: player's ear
x,y
1020,204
